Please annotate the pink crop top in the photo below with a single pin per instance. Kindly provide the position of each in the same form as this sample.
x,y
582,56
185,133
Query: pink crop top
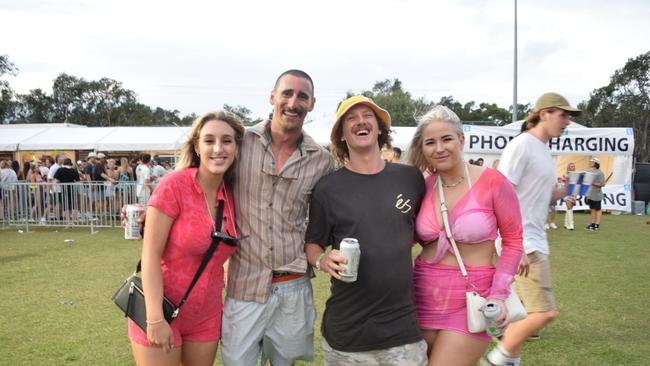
x,y
489,208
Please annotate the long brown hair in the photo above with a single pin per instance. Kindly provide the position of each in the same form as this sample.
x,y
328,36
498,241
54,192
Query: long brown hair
x,y
533,119
189,158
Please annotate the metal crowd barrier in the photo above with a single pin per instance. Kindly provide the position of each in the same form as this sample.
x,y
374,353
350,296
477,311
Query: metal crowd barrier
x,y
80,204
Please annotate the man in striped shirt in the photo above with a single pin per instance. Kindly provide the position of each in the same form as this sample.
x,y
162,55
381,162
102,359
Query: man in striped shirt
x,y
269,305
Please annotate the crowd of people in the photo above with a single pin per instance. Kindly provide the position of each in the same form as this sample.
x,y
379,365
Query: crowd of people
x,y
103,185
273,175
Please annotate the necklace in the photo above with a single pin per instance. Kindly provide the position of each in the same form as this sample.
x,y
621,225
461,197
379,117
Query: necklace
x,y
452,185
209,211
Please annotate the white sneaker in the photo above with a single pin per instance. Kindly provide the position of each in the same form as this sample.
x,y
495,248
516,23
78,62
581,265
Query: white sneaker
x,y
553,226
498,357
546,227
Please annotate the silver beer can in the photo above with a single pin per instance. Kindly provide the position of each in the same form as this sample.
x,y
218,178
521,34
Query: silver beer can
x,y
351,251
132,228
491,311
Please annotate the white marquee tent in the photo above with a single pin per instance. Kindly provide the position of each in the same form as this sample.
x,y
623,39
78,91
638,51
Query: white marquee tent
x,y
25,138
143,139
10,138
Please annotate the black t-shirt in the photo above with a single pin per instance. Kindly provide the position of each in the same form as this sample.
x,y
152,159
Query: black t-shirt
x,y
377,311
66,175
88,169
96,171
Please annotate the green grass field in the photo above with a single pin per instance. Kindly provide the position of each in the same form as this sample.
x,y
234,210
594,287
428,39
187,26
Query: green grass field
x,y
56,307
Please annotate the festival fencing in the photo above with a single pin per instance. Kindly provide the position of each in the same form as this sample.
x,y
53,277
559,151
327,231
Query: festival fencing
x,y
80,204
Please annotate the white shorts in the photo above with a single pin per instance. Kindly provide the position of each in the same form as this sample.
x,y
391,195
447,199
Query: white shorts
x,y
282,328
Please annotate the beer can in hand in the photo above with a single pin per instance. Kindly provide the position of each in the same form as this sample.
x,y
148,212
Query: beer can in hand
x,y
491,311
351,251
132,228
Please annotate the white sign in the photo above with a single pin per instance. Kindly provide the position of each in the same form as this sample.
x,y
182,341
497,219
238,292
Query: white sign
x,y
576,141
615,197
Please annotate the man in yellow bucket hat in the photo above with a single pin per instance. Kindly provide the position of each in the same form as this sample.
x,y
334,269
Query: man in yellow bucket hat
x,y
371,318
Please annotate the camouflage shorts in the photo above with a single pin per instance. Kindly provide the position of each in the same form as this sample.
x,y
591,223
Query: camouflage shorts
x,y
412,354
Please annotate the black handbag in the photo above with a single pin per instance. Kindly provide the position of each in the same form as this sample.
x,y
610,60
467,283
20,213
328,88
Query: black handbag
x,y
130,297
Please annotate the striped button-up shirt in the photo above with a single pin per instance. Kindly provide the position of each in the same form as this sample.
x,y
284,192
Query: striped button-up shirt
x,y
272,211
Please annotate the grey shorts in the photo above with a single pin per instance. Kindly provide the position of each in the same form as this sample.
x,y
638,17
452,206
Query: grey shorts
x,y
282,328
412,354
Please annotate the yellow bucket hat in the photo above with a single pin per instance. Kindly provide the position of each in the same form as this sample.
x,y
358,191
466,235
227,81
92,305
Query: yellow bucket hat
x,y
345,106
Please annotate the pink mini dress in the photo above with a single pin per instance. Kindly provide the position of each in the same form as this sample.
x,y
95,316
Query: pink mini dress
x,y
180,197
490,207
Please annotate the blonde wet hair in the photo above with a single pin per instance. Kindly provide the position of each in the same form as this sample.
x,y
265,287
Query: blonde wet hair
x,y
437,113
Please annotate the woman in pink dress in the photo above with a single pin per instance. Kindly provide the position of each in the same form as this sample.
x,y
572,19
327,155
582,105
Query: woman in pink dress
x,y
180,220
481,202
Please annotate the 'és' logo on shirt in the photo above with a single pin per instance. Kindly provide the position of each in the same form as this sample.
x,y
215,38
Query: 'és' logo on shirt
x,y
403,205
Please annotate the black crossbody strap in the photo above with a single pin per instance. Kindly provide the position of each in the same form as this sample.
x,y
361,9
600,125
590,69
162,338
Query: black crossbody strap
x,y
208,253
206,257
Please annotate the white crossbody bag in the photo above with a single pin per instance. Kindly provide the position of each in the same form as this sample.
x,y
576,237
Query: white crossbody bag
x,y
475,302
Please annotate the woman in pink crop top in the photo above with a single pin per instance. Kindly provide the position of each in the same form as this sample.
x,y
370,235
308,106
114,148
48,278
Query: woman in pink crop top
x,y
482,204
180,222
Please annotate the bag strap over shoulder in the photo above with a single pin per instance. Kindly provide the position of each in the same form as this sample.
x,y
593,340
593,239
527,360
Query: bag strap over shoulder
x,y
445,219
206,258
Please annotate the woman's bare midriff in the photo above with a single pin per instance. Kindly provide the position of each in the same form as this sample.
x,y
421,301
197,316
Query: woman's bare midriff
x,y
476,254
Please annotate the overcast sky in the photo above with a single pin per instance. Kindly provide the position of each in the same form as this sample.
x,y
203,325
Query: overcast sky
x,y
195,56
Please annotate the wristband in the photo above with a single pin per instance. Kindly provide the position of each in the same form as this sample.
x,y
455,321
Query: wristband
x,y
318,259
155,321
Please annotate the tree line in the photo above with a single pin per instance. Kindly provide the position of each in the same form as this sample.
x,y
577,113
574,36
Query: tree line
x,y
405,110
624,102
97,103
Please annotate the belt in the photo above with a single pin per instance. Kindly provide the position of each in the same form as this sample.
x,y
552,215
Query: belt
x,y
285,276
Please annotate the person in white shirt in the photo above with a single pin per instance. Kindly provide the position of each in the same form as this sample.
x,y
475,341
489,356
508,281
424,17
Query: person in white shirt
x,y
157,171
143,179
55,196
7,177
528,165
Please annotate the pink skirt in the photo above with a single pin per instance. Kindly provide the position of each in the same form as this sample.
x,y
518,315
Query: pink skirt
x,y
440,295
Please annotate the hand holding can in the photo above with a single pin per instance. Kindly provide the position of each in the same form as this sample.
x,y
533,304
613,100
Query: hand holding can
x,y
132,225
350,250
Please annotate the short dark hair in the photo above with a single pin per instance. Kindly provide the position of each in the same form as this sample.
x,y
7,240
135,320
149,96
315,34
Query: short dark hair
x,y
146,158
296,73
398,152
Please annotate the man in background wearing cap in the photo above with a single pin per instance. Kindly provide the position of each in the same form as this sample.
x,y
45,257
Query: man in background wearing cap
x,y
92,160
143,179
269,305
527,163
372,319
595,194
